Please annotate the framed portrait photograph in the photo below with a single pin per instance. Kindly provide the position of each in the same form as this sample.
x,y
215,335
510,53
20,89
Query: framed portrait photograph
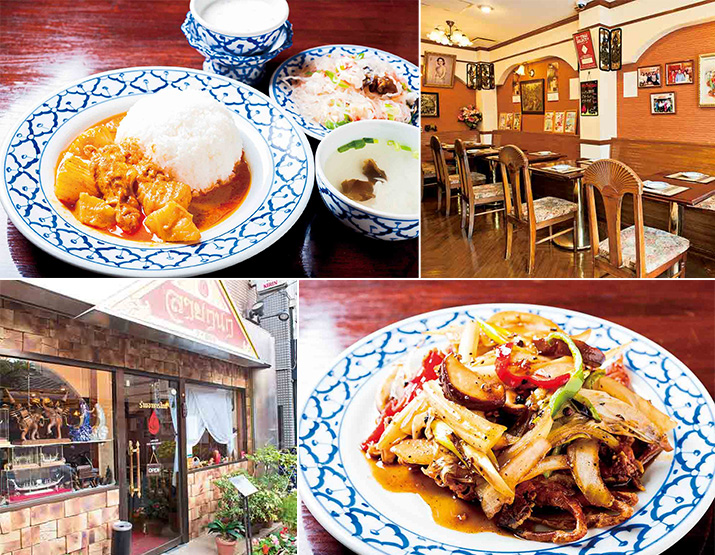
x,y
532,96
649,76
439,70
515,90
552,82
429,106
571,122
549,122
662,103
517,122
706,80
680,73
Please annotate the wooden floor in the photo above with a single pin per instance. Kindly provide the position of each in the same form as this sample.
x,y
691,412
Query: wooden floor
x,y
447,253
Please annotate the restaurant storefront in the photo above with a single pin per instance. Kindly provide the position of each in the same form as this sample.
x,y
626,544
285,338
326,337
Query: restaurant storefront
x,y
125,410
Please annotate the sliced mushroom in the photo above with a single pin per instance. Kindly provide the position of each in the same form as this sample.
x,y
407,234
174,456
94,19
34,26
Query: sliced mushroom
x,y
468,388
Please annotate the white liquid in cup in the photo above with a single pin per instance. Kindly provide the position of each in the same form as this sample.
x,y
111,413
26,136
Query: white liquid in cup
x,y
242,16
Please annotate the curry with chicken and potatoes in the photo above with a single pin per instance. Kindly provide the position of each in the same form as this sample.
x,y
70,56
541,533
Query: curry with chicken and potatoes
x,y
534,427
115,188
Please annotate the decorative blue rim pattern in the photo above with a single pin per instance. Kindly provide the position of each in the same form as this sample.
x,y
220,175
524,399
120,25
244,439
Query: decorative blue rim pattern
x,y
376,227
32,213
281,92
333,498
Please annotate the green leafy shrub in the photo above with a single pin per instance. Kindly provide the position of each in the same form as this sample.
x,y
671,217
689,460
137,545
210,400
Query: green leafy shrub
x,y
264,505
289,511
227,530
283,543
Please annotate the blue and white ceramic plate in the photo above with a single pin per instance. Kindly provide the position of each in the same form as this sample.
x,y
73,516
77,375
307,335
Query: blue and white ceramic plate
x,y
337,486
281,90
277,151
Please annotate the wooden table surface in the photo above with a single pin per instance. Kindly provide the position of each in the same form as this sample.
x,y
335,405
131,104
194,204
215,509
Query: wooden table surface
x,y
695,194
46,44
333,315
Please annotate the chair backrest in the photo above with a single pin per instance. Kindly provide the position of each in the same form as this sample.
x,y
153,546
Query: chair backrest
x,y
614,180
514,165
440,163
466,187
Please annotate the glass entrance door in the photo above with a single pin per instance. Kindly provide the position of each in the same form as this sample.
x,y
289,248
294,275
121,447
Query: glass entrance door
x,y
152,475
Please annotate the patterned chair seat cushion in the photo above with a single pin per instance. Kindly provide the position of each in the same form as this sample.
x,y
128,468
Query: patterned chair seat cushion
x,y
708,204
477,178
548,208
482,192
660,247
428,170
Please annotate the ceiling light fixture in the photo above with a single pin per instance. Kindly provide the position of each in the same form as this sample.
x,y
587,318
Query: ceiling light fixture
x,y
485,8
449,37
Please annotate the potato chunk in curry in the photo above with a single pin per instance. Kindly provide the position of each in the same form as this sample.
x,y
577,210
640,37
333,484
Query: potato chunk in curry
x,y
74,177
173,223
156,193
95,212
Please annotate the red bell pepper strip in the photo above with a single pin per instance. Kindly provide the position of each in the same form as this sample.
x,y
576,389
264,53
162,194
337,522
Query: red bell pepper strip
x,y
504,365
430,364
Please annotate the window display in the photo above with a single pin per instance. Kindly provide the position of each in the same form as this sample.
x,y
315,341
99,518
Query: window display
x,y
54,436
214,425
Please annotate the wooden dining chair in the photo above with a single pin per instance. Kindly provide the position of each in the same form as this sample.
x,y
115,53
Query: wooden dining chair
x,y
472,195
636,251
530,214
446,182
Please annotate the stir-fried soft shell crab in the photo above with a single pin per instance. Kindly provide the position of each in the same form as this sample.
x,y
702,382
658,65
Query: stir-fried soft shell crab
x,y
537,426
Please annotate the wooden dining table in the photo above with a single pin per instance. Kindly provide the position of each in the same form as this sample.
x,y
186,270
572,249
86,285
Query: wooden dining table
x,y
47,44
334,315
532,157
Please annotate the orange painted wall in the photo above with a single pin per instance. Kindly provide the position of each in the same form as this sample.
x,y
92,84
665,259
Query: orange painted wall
x,y
532,122
690,123
450,101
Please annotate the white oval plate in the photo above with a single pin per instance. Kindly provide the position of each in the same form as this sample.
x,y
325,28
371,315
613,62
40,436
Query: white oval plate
x,y
337,486
277,152
282,92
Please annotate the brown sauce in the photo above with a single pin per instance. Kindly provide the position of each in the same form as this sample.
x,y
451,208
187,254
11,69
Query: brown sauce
x,y
207,209
447,510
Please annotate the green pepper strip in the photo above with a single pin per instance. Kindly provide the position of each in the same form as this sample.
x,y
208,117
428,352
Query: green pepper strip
x,y
589,405
495,333
593,378
567,392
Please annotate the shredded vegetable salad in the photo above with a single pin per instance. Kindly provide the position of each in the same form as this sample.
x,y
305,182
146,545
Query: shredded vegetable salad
x,y
335,90
536,426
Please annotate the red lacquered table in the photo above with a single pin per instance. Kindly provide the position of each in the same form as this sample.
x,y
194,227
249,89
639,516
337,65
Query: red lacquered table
x,y
333,315
47,44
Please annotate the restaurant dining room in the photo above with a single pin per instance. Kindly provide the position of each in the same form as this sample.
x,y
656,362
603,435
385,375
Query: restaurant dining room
x,y
568,138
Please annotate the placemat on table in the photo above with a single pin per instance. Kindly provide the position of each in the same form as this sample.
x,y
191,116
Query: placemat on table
x,y
679,175
668,191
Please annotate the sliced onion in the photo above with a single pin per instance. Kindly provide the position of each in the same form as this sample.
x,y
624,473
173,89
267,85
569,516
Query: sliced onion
x,y
621,392
484,465
513,473
548,464
541,430
585,464
580,427
524,324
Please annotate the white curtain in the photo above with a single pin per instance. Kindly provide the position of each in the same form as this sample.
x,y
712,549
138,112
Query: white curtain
x,y
212,410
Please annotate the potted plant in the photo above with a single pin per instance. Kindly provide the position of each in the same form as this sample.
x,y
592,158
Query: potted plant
x,y
227,533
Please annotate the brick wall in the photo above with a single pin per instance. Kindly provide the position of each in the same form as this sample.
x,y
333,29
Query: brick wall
x,y
78,526
204,495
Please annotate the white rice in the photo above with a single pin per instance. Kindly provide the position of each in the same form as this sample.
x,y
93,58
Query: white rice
x,y
187,133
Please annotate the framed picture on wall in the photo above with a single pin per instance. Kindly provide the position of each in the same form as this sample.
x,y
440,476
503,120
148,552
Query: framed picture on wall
x,y
429,107
549,122
604,49
502,121
552,82
439,70
509,120
616,49
517,122
706,80
532,96
559,118
662,103
649,77
571,121
680,73
515,89
589,98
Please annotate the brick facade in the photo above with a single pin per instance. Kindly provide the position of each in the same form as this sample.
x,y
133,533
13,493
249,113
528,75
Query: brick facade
x,y
82,525
77,526
204,496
